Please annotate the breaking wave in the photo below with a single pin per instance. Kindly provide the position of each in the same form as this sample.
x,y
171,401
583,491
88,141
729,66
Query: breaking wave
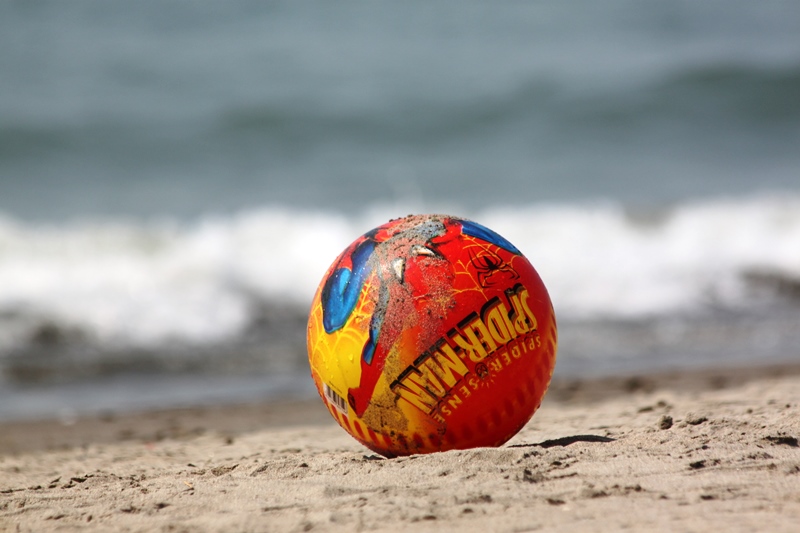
x,y
142,284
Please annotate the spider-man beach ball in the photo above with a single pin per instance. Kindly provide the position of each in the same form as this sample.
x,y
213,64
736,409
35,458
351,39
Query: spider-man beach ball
x,y
431,333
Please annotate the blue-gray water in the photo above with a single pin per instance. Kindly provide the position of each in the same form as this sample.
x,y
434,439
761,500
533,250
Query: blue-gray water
x,y
176,176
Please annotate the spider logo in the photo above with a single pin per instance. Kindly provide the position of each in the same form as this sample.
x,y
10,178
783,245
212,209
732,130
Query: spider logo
x,y
482,371
489,266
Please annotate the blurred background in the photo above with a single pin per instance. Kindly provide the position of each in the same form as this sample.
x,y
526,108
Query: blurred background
x,y
176,176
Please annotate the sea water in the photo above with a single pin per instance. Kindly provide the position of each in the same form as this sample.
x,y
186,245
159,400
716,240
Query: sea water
x,y
175,178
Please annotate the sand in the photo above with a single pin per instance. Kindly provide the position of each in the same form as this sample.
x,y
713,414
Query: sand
x,y
700,451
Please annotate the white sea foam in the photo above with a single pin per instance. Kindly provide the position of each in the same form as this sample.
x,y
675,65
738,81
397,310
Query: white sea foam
x,y
601,261
135,283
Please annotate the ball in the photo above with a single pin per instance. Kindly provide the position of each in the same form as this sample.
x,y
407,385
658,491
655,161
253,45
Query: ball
x,y
431,333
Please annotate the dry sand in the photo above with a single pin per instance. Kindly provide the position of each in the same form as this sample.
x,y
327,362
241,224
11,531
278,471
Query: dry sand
x,y
696,451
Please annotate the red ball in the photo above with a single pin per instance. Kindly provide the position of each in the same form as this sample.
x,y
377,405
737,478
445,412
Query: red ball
x,y
431,333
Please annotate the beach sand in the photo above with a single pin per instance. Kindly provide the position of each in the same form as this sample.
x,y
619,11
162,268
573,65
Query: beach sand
x,y
684,451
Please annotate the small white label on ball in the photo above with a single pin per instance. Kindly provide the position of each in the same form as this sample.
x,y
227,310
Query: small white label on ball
x,y
333,397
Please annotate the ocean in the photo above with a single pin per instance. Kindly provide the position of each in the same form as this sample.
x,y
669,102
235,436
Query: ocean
x,y
175,178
